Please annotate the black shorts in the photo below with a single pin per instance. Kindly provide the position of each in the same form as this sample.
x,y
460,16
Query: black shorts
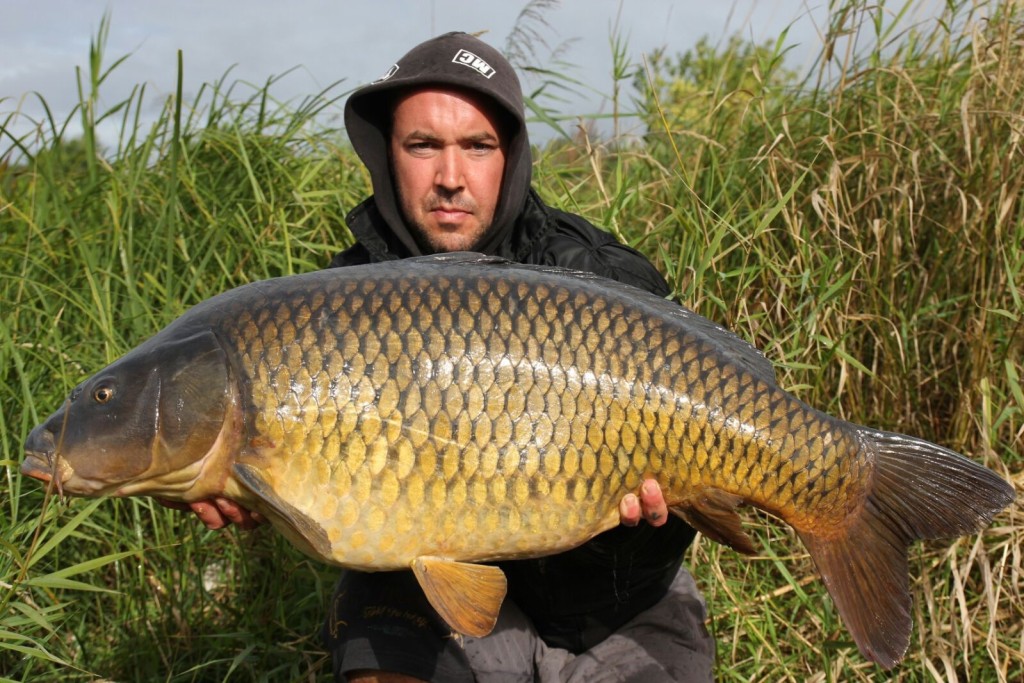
x,y
383,622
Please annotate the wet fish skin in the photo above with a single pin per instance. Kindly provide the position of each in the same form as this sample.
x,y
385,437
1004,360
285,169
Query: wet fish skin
x,y
460,408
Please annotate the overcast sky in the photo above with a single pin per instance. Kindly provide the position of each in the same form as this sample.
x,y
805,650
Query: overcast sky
x,y
354,40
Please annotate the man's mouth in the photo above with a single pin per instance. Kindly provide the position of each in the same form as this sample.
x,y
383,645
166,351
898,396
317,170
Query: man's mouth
x,y
449,214
451,208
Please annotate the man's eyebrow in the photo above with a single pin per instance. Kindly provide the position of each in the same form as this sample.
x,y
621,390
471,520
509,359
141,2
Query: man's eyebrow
x,y
422,135
425,136
482,136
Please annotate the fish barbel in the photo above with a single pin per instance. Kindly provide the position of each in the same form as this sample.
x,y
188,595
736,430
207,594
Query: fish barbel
x,y
442,412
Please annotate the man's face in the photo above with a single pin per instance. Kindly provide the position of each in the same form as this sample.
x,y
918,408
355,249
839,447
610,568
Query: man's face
x,y
448,158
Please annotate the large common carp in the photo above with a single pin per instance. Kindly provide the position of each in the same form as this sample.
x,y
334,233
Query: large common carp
x,y
443,412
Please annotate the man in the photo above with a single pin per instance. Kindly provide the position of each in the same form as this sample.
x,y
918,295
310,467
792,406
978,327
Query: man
x,y
443,136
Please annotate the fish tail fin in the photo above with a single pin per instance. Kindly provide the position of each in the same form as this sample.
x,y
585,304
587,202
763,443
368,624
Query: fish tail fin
x,y
919,491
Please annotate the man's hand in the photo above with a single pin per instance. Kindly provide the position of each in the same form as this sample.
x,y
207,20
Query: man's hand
x,y
217,513
649,505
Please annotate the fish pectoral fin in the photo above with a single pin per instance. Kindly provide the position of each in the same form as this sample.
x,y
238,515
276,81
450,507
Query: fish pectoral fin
x,y
467,596
307,531
713,513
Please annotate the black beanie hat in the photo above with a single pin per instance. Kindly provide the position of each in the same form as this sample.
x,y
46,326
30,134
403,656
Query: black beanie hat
x,y
453,59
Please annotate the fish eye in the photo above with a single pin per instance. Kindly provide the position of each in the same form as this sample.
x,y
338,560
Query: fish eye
x,y
103,394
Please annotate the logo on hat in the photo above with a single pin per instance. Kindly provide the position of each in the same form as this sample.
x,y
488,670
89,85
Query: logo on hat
x,y
390,72
467,58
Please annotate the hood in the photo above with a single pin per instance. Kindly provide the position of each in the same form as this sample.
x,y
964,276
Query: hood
x,y
454,59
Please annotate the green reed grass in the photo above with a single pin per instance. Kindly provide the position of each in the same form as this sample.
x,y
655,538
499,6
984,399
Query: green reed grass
x,y
862,224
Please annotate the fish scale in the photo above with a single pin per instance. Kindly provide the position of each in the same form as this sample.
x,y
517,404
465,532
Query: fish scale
x,y
438,413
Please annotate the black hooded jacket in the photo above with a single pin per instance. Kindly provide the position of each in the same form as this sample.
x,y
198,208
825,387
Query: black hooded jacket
x,y
577,598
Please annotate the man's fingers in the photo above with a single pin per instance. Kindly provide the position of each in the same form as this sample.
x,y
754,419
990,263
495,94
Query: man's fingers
x,y
209,514
652,502
205,510
217,513
629,510
238,514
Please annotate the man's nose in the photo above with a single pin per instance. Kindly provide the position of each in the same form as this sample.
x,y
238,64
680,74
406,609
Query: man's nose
x,y
449,170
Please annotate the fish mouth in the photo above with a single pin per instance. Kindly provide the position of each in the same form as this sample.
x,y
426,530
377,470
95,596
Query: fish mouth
x,y
48,469
44,463
41,460
57,473
37,466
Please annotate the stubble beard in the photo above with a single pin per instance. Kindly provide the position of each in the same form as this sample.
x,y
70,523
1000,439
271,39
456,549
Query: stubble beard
x,y
446,241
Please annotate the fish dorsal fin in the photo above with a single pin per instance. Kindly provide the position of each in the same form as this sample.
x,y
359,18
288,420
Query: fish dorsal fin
x,y
306,533
713,513
467,596
460,258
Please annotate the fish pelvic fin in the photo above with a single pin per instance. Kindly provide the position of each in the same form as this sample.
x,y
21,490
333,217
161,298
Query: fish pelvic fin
x,y
919,491
712,512
303,531
467,596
